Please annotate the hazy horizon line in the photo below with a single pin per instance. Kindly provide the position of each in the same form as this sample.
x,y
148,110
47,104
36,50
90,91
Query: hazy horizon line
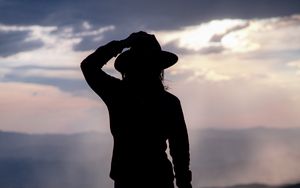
x,y
190,130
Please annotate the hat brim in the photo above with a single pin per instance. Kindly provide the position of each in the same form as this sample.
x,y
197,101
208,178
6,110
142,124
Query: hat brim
x,y
131,60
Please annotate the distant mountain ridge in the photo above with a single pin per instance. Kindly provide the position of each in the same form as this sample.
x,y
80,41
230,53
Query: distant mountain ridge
x,y
218,157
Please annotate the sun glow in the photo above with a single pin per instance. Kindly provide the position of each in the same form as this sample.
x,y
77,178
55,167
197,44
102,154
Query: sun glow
x,y
206,35
239,42
201,36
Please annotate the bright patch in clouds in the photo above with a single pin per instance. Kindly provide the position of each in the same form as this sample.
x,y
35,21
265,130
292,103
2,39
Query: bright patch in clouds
x,y
237,35
263,48
204,35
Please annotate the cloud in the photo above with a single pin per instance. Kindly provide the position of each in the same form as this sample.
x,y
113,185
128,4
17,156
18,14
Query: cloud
x,y
205,38
14,42
17,38
54,63
253,81
261,36
210,49
90,39
135,14
20,38
73,86
218,37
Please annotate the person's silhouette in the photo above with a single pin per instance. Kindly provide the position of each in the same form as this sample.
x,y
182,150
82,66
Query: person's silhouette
x,y
143,115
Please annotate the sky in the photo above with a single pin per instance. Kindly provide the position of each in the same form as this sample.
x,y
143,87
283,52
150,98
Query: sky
x,y
239,61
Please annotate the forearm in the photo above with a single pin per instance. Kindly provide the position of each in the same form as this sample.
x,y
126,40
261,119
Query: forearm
x,y
102,55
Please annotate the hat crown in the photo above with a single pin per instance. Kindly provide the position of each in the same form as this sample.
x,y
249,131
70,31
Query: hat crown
x,y
146,43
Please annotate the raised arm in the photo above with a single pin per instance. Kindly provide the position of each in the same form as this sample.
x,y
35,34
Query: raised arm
x,y
102,83
179,149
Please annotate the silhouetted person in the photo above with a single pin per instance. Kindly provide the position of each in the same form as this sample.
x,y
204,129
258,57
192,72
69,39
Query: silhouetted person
x,y
143,115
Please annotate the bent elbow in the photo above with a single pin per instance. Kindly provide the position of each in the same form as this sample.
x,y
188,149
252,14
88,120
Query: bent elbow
x,y
83,65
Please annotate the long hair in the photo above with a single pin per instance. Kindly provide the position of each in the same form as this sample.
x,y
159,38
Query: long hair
x,y
161,78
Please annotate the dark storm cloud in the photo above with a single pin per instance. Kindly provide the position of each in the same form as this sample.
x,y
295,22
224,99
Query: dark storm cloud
x,y
14,42
136,14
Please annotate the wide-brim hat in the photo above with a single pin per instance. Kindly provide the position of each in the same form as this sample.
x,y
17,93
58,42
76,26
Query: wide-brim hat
x,y
145,54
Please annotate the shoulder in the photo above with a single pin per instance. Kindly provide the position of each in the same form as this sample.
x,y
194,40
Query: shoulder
x,y
171,98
